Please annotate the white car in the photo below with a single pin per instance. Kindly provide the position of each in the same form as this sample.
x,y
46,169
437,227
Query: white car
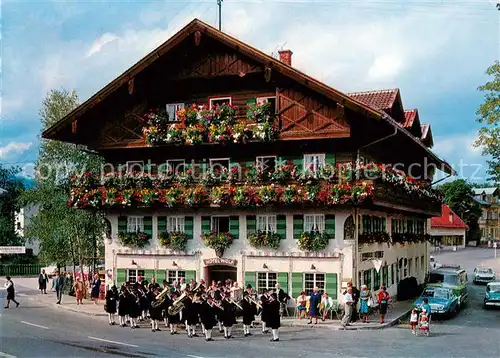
x,y
483,275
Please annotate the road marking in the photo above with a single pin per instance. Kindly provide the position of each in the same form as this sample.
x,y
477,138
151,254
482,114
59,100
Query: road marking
x,y
22,294
34,325
6,355
105,340
189,355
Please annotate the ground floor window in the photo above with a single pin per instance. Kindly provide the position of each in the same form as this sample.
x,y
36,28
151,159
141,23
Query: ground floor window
x,y
367,278
454,240
175,275
312,280
133,274
266,281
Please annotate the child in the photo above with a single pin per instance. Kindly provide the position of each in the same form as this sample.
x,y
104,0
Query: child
x,y
423,322
413,320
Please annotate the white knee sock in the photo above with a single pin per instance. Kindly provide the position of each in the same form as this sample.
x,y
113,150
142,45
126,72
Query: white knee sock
x,y
203,328
152,324
229,329
225,332
263,326
172,329
275,334
188,328
156,324
109,317
193,329
122,320
208,333
220,326
246,329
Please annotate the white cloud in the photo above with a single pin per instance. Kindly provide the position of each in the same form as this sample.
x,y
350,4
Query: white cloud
x,y
102,41
14,148
385,68
457,145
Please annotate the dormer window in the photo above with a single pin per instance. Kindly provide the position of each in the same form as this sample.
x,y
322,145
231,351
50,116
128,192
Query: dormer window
x,y
219,101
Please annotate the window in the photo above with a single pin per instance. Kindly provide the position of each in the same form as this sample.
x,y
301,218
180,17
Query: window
x,y
312,280
266,223
417,268
172,109
133,274
266,164
314,222
175,224
176,165
220,101
422,264
266,281
135,223
270,100
220,224
135,166
385,275
175,276
219,164
393,273
367,278
312,162
410,262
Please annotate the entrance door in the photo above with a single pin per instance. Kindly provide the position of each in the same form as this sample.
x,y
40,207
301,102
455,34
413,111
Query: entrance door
x,y
221,273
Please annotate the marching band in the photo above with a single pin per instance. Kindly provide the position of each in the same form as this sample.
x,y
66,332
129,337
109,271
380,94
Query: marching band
x,y
193,304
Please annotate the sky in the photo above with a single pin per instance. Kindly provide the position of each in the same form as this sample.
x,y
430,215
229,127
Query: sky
x,y
434,51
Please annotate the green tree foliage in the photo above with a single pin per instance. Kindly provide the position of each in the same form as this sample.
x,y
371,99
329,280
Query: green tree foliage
x,y
9,205
489,116
458,196
66,235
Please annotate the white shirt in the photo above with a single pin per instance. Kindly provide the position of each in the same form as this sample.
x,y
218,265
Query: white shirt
x,y
8,284
348,298
183,286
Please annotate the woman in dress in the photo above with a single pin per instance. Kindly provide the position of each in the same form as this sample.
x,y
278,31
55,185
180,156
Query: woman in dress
x,y
79,288
363,304
110,306
95,289
314,302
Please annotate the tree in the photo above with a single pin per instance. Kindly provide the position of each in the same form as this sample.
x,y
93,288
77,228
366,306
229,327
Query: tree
x,y
458,196
9,204
489,116
66,235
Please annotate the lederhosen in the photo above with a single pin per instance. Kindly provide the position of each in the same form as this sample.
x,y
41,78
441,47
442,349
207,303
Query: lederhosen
x,y
249,311
208,315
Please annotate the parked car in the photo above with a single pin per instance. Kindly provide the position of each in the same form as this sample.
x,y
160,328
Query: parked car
x,y
483,275
442,301
452,277
492,295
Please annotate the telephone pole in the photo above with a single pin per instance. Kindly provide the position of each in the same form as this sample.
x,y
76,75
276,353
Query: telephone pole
x,y
219,4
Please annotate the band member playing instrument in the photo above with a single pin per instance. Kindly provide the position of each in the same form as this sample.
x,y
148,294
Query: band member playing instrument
x,y
173,320
228,316
208,312
218,298
249,312
190,314
123,306
134,309
155,313
110,306
264,316
274,316
143,303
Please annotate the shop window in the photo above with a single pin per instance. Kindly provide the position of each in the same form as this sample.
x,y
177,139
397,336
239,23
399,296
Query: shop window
x,y
135,224
266,223
220,224
175,224
312,280
315,222
133,274
175,275
266,281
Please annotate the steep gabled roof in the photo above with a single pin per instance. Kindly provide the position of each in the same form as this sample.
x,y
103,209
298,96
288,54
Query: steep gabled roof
x,y
487,191
410,116
427,138
444,221
378,99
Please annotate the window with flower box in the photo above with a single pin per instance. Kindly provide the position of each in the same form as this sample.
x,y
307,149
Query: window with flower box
x,y
175,275
220,101
133,274
314,222
220,224
219,164
270,100
266,223
312,280
266,281
135,223
175,223
172,109
176,165
313,162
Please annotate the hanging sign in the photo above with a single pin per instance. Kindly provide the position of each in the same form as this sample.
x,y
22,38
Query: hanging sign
x,y
220,261
12,249
377,264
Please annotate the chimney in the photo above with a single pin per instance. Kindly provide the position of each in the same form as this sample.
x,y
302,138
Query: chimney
x,y
286,56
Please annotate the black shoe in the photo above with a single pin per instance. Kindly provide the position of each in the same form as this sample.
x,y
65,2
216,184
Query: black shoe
x,y
58,302
17,304
247,334
195,335
6,307
220,330
190,335
110,323
172,333
113,323
208,339
226,337
229,336
158,330
275,340
310,322
133,327
152,330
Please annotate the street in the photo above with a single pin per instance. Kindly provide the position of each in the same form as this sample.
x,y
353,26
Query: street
x,y
37,330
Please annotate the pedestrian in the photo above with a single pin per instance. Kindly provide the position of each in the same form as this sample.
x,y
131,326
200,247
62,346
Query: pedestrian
x,y
383,301
11,292
364,305
314,303
96,289
348,307
59,286
110,305
413,321
427,307
274,317
42,282
79,290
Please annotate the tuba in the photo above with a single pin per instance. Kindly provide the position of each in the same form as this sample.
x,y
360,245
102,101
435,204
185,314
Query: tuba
x,y
160,298
177,305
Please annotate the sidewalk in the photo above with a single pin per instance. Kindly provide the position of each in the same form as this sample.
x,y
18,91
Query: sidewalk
x,y
397,312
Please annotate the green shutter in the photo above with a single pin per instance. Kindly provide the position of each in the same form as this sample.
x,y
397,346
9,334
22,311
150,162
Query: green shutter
x,y
251,224
121,277
188,226
122,224
281,226
251,101
330,158
331,285
149,274
250,279
330,225
190,275
148,225
234,226
283,281
162,224
250,164
297,162
297,284
205,224
298,226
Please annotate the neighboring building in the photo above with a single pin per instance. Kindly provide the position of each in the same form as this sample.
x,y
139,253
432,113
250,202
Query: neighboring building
x,y
489,222
21,221
288,161
448,230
